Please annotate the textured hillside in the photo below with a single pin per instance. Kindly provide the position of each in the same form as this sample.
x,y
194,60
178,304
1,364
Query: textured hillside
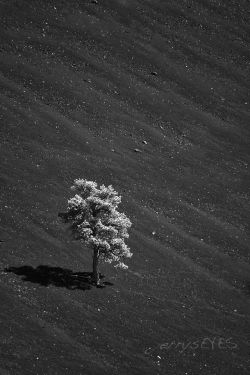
x,y
84,84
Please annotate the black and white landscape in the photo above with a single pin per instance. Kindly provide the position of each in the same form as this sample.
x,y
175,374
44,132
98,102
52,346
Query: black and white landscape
x,y
151,97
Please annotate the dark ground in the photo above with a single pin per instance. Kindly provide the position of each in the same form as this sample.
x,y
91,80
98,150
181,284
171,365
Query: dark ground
x,y
78,80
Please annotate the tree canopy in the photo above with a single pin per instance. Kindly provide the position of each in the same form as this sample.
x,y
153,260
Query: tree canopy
x,y
96,221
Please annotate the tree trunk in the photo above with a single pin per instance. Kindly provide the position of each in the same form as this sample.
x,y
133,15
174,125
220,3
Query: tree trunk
x,y
96,278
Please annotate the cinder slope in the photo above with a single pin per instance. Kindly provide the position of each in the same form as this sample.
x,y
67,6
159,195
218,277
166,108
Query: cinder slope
x,y
83,85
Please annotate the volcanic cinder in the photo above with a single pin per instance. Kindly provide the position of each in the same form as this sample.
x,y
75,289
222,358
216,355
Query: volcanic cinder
x,y
151,97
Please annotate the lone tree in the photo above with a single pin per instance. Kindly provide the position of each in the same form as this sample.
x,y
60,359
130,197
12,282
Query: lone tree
x,y
97,223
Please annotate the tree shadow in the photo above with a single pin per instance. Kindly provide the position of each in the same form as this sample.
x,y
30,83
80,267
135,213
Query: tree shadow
x,y
57,276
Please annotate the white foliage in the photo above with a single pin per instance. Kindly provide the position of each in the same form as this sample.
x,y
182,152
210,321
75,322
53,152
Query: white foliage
x,y
121,265
96,221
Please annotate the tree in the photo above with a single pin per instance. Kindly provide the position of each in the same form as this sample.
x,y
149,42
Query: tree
x,y
96,222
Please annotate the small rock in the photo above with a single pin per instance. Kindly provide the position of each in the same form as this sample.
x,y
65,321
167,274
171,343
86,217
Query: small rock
x,y
94,2
154,73
137,150
145,142
153,233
